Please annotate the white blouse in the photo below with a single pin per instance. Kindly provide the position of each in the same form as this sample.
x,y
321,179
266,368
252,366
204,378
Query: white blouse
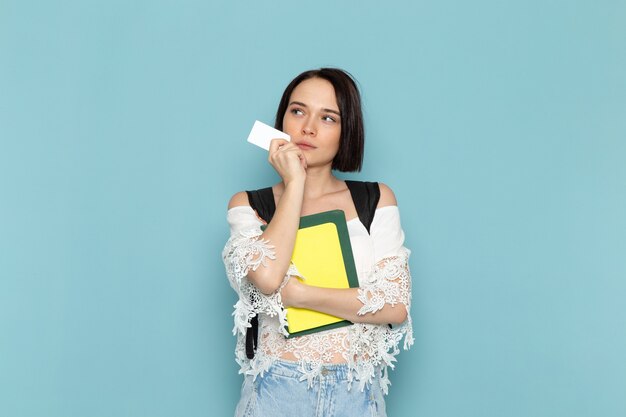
x,y
384,278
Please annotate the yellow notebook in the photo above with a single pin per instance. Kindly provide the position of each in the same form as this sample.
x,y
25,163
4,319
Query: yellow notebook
x,y
323,255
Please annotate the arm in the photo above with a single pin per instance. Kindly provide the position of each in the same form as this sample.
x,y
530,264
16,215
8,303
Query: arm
x,y
281,232
377,303
340,302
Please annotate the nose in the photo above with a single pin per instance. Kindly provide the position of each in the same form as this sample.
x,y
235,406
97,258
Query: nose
x,y
309,127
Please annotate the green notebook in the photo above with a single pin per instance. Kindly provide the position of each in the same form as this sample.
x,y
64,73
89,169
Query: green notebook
x,y
323,255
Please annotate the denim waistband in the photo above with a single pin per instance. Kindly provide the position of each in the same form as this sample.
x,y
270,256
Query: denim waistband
x,y
291,369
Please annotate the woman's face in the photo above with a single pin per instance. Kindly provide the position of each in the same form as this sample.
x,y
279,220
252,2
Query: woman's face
x,y
313,121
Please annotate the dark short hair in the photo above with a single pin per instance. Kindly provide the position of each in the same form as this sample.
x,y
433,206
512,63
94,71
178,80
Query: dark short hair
x,y
349,157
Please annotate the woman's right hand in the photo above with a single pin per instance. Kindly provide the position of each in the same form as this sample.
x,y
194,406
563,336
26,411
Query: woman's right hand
x,y
288,160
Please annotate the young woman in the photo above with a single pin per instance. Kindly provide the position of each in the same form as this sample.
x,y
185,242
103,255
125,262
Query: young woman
x,y
339,372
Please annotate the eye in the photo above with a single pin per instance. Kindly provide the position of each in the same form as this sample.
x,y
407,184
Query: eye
x,y
296,111
328,118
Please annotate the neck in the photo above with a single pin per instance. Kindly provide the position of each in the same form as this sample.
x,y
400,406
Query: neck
x,y
320,181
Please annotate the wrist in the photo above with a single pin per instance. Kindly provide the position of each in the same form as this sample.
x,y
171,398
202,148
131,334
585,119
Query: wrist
x,y
299,295
295,183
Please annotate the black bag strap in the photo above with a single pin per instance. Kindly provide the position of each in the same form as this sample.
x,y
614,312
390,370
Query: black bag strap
x,y
252,337
365,196
262,201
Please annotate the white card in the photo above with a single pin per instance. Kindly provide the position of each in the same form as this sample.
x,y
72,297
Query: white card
x,y
262,134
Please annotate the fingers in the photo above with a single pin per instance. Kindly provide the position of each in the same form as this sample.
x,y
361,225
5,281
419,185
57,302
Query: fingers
x,y
276,143
303,160
285,147
287,159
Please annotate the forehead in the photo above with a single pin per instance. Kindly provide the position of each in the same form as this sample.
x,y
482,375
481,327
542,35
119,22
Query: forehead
x,y
315,92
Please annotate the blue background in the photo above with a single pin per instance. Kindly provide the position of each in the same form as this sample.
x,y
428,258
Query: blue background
x,y
500,125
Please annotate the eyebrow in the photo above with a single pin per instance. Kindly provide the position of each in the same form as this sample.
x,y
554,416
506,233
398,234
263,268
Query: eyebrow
x,y
299,103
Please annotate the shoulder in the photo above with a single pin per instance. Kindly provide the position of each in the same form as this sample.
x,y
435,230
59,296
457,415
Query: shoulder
x,y
386,229
239,199
387,197
240,214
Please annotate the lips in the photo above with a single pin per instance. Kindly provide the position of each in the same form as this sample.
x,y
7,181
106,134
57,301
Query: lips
x,y
305,145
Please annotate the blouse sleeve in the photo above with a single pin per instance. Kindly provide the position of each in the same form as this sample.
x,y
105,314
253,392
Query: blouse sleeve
x,y
245,250
390,282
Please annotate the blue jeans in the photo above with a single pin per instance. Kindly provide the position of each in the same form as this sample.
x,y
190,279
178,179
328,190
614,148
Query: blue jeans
x,y
279,392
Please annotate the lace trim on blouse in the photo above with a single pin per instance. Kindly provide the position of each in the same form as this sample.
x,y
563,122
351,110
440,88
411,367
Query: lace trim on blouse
x,y
243,252
366,348
391,284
